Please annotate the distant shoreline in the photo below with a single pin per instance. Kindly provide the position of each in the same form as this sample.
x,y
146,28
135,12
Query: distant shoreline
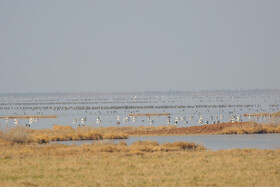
x,y
177,92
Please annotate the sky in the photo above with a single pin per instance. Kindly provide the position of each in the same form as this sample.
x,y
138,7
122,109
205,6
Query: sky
x,y
147,45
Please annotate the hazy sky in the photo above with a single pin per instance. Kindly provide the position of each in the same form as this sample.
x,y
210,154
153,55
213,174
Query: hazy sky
x,y
147,45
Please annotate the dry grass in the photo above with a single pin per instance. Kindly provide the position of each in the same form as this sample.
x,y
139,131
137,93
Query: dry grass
x,y
183,146
131,130
61,127
16,135
66,133
222,128
252,128
115,136
108,164
58,133
145,143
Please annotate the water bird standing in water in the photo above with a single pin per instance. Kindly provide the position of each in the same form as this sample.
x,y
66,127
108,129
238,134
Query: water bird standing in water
x,y
200,120
190,117
125,119
83,120
168,120
176,120
75,121
16,121
118,118
98,120
151,121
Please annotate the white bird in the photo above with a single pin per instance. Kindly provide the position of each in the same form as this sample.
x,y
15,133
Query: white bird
x,y
98,120
16,121
168,120
125,119
190,117
75,121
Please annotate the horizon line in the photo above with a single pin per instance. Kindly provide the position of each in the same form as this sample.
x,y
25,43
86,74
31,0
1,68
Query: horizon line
x,y
142,92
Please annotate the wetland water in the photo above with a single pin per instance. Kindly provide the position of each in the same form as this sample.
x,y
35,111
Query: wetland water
x,y
212,142
106,110
185,108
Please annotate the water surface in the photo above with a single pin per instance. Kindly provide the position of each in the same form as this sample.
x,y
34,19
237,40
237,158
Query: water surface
x,y
212,142
186,109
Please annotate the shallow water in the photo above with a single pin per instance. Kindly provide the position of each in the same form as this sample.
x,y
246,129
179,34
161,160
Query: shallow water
x,y
185,108
212,142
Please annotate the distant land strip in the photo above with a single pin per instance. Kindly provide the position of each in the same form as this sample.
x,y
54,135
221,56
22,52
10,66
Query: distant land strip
x,y
263,114
149,114
27,117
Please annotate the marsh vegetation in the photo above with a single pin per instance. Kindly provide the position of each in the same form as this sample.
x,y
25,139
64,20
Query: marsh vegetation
x,y
141,164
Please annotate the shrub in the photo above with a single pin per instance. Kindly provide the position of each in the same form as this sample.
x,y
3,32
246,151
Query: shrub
x,y
183,146
18,134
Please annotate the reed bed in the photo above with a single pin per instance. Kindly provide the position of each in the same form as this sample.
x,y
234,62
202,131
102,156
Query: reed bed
x,y
99,147
16,135
252,128
21,134
131,130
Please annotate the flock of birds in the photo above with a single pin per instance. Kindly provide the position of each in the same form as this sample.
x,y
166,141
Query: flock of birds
x,y
151,120
111,110
192,119
30,121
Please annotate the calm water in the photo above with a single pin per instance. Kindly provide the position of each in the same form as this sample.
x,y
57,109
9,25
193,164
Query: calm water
x,y
186,109
212,142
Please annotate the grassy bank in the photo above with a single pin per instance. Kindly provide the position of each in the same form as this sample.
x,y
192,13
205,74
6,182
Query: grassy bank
x,y
64,133
141,164
252,128
21,134
222,128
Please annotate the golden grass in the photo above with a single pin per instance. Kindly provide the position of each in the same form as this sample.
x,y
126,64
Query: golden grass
x,y
61,127
223,128
131,129
142,164
115,136
149,114
66,133
252,128
21,134
16,135
27,117
183,146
